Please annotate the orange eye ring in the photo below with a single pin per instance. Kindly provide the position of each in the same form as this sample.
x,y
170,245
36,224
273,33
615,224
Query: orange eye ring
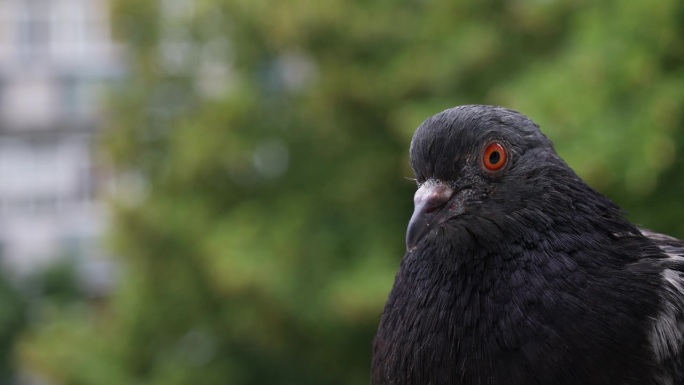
x,y
494,157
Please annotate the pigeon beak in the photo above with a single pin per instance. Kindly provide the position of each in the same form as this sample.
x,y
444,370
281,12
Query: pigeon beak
x,y
429,202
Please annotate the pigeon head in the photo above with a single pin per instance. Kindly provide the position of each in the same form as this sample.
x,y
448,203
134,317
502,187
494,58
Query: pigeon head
x,y
517,272
484,163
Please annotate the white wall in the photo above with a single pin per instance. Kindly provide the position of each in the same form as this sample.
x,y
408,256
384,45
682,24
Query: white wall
x,y
55,57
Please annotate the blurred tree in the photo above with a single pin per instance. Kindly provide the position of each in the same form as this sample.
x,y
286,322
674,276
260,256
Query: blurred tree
x,y
12,322
56,282
262,148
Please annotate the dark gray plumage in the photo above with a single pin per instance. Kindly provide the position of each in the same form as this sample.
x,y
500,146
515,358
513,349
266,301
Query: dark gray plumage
x,y
517,272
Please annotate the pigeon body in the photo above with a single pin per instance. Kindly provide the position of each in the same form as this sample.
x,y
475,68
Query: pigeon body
x,y
517,272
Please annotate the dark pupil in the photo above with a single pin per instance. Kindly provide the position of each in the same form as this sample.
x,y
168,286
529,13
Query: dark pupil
x,y
494,157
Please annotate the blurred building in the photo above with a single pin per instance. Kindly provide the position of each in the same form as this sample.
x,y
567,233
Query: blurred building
x,y
55,58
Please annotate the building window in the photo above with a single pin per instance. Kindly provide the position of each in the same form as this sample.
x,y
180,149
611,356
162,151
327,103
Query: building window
x,y
33,30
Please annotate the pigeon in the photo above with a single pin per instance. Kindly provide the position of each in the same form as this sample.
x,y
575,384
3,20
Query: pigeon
x,y
517,272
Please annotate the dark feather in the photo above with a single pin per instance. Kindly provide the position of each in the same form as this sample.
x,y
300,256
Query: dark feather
x,y
533,278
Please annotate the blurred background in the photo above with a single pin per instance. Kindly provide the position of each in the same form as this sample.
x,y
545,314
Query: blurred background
x,y
216,192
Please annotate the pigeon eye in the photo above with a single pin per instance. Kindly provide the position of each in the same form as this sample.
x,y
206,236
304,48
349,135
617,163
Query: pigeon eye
x,y
494,157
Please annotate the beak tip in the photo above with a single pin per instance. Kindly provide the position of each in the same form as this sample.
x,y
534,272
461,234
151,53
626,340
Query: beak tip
x,y
415,234
429,202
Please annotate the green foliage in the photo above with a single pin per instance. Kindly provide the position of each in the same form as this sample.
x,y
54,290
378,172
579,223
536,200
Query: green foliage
x,y
12,321
268,146
57,282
